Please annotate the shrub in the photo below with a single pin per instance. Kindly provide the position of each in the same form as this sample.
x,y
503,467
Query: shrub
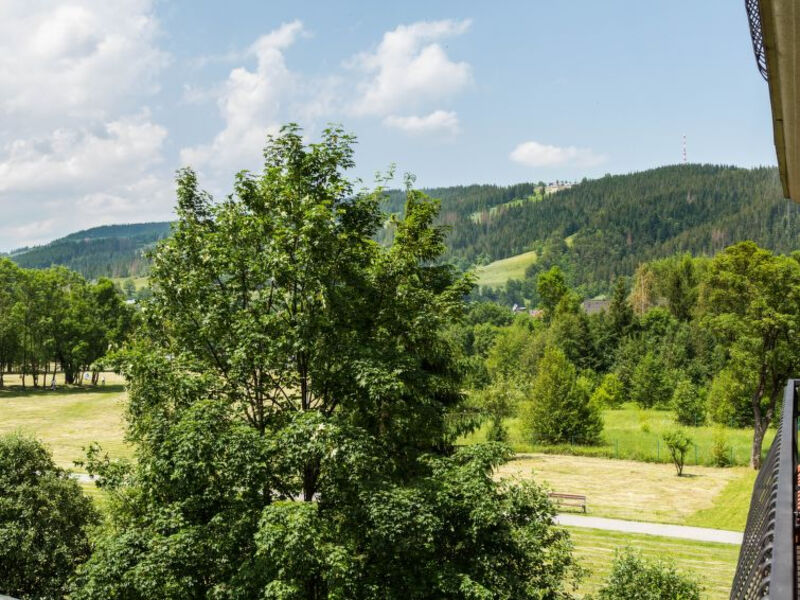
x,y
635,577
729,399
720,449
610,392
678,444
43,521
650,383
688,404
560,409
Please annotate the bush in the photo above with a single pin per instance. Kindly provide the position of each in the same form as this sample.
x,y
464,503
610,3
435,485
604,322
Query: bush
x,y
610,392
720,449
560,410
43,521
688,404
635,577
650,383
729,399
678,444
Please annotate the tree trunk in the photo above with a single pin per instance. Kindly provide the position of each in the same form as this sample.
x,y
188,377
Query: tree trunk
x,y
758,440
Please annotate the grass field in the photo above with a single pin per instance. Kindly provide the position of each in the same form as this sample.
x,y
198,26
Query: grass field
x,y
67,419
634,433
637,491
713,564
497,273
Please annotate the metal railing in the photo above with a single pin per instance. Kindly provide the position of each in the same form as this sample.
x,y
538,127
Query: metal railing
x,y
767,559
757,35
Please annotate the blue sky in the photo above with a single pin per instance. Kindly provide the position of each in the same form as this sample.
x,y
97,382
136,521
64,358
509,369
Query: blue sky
x,y
100,102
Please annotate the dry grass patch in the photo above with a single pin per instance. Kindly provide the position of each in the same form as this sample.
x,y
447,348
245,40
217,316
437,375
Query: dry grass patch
x,y
630,490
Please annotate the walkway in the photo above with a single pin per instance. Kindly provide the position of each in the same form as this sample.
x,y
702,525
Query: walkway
x,y
699,534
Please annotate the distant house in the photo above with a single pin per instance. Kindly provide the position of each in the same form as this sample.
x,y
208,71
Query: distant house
x,y
592,307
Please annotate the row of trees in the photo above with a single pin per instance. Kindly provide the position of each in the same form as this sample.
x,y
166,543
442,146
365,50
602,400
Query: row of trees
x,y
54,319
711,339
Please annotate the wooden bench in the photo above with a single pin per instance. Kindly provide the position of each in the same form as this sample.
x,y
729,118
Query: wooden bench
x,y
576,500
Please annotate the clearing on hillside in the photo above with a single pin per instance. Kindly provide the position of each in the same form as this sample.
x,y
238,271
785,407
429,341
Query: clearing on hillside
x,y
497,273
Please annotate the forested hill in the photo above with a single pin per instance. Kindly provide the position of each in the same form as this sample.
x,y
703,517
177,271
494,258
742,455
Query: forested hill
x,y
602,228
595,230
109,251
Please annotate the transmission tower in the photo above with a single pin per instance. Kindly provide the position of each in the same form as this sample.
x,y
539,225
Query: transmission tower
x,y
684,148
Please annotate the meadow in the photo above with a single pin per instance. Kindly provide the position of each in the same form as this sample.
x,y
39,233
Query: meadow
x,y
496,274
638,491
633,433
68,418
71,417
713,564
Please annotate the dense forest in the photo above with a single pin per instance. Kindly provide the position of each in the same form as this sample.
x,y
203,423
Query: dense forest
x,y
107,251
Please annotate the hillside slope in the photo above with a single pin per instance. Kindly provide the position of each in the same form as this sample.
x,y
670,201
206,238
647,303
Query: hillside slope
x,y
107,251
596,230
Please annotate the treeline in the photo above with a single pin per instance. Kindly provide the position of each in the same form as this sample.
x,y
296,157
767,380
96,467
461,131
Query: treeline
x,y
711,339
54,319
108,251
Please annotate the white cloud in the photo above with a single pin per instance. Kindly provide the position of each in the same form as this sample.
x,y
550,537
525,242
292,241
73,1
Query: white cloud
x,y
77,59
410,68
82,160
79,148
250,104
535,154
439,121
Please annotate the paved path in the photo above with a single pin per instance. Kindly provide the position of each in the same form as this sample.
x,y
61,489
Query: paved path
x,y
700,534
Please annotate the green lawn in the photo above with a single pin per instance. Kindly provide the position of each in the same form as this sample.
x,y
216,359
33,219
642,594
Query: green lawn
x,y
497,273
69,418
635,434
713,564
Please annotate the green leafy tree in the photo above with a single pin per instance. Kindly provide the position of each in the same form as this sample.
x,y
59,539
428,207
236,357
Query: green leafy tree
x,y
678,444
688,404
498,401
552,287
729,398
651,385
43,522
560,409
751,301
292,392
633,576
610,393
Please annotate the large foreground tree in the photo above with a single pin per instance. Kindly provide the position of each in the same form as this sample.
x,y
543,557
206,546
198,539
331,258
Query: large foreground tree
x,y
290,399
751,301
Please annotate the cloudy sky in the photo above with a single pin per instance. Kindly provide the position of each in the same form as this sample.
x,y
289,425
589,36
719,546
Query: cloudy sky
x,y
101,100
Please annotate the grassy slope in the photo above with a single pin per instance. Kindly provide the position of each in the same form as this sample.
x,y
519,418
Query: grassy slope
x,y
633,433
497,273
714,564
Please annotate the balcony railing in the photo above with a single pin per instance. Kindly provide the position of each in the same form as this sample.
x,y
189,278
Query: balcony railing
x,y
767,559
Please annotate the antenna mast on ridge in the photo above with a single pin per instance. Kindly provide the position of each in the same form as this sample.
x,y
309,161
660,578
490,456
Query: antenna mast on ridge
x,y
684,148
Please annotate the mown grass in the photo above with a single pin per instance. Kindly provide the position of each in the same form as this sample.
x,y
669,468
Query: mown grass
x,y
713,564
497,273
637,491
636,434
69,418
